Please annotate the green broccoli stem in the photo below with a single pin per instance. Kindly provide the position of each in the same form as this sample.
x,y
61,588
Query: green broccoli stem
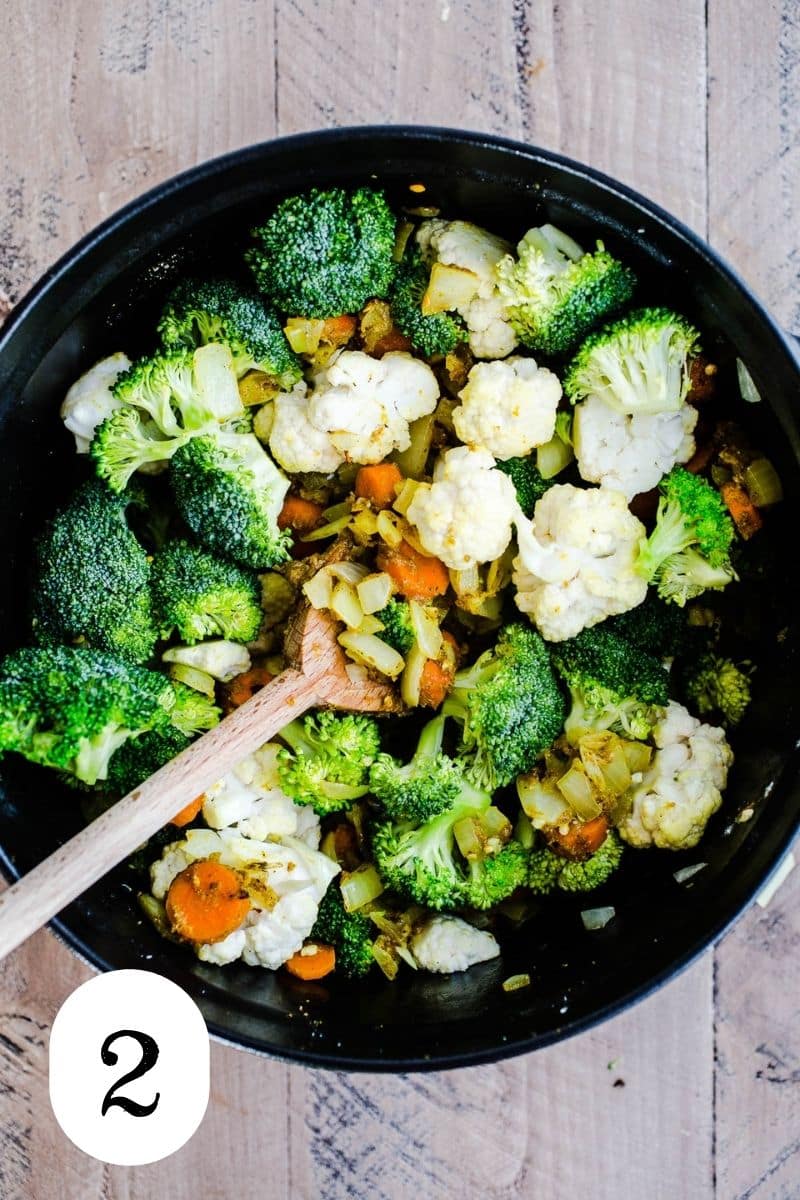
x,y
94,754
295,737
430,741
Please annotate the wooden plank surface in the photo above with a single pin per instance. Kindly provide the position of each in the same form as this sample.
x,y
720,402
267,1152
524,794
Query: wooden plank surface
x,y
110,97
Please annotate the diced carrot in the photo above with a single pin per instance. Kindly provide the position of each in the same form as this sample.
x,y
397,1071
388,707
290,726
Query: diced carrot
x,y
206,902
299,514
188,812
434,684
243,686
314,961
746,516
379,484
581,840
417,577
700,459
338,330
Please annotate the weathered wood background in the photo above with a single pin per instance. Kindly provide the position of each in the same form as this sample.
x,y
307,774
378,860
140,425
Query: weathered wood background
x,y
696,104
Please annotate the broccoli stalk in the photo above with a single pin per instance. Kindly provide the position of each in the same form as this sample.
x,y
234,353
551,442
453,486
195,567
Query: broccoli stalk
x,y
91,578
72,709
327,762
424,864
547,870
202,596
325,253
688,552
717,685
221,311
230,493
350,934
434,333
555,293
423,787
613,685
638,364
398,630
509,706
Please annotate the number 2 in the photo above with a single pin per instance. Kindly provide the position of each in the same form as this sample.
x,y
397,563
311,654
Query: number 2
x,y
149,1048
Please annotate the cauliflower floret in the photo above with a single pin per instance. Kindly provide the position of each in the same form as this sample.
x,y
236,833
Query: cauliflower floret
x,y
465,516
631,453
448,944
250,798
683,786
462,244
89,401
366,404
576,563
294,442
508,407
285,882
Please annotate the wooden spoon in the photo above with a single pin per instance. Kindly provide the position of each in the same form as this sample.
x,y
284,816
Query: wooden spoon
x,y
315,677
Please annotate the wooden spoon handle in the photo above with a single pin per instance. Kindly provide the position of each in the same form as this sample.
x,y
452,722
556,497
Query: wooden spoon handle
x,y
85,858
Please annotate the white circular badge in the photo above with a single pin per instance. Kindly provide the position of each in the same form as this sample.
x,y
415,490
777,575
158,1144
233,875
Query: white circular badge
x,y
129,1067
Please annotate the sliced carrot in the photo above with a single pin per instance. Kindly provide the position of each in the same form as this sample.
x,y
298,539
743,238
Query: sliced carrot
x,y
314,961
379,484
206,902
700,459
746,516
188,812
338,330
417,576
581,840
434,684
243,686
299,514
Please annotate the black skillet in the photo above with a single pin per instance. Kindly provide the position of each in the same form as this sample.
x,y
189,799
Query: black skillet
x,y
105,295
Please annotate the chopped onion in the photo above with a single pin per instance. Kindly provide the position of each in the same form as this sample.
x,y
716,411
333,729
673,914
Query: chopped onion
x,y
350,572
411,682
406,495
495,824
466,582
763,483
541,803
319,589
303,335
356,673
515,982
749,391
370,624
344,604
263,422
388,528
468,839
576,788
637,754
597,918
364,525
199,681
374,592
361,886
449,288
385,954
524,832
553,457
687,872
413,459
368,649
426,629
407,957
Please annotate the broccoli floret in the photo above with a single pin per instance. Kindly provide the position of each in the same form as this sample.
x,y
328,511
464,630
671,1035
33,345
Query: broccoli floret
x,y
613,685
547,870
181,393
528,481
422,788
202,596
328,759
423,862
350,934
91,578
193,712
141,757
435,333
688,552
324,253
509,706
653,626
230,493
638,364
71,709
397,630
717,685
555,293
220,310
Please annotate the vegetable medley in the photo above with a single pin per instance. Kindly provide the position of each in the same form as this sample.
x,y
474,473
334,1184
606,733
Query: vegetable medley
x,y
518,495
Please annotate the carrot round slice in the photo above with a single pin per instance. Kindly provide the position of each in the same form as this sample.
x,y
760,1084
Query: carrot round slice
x,y
314,961
206,902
